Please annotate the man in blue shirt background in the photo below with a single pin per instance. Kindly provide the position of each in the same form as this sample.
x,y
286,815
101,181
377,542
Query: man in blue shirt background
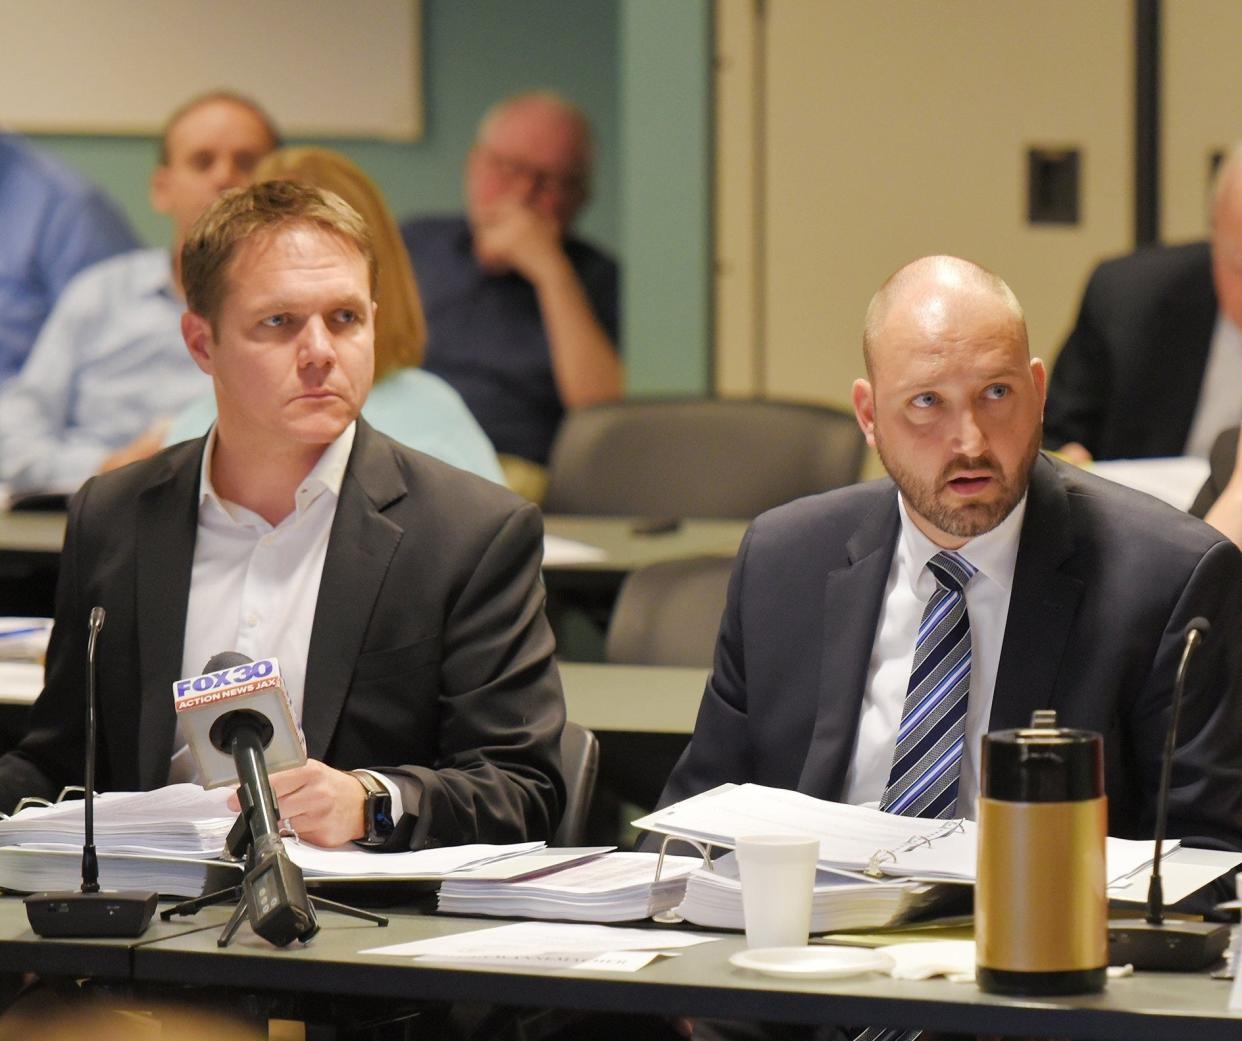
x,y
53,223
110,361
521,316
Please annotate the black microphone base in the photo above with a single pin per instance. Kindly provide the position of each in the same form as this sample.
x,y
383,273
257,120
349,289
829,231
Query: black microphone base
x,y
1174,946
106,913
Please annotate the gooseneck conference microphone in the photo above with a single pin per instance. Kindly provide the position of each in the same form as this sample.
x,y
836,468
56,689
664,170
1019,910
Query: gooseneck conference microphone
x,y
90,911
1155,943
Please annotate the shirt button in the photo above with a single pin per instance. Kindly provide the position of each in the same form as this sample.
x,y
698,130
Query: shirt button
x,y
252,619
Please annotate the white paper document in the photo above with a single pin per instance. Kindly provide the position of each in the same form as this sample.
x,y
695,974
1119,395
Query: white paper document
x,y
179,820
544,945
860,839
560,551
20,682
617,887
414,864
1176,480
24,639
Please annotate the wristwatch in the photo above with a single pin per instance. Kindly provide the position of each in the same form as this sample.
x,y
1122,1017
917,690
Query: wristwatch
x,y
377,812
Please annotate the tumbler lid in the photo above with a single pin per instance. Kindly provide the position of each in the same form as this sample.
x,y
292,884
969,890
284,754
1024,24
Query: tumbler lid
x,y
1043,763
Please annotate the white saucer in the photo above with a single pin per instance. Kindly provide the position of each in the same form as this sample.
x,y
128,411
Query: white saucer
x,y
818,962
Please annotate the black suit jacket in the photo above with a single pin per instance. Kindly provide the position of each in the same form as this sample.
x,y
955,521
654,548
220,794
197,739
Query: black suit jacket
x,y
430,656
1127,380
1104,584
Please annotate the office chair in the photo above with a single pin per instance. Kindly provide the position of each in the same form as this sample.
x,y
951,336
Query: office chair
x,y
698,457
669,613
579,767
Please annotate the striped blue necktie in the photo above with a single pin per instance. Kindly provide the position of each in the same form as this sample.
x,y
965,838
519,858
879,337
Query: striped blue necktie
x,y
927,759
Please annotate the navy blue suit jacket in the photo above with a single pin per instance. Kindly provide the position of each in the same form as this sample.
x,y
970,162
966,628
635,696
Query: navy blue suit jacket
x,y
1104,584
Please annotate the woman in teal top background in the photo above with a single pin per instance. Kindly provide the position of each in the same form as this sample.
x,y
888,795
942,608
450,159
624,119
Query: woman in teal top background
x,y
409,405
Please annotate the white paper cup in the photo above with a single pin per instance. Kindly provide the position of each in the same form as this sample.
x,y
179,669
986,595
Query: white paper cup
x,y
778,875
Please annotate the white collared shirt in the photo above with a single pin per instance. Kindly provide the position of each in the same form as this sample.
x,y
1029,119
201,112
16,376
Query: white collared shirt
x,y
254,586
1220,404
910,585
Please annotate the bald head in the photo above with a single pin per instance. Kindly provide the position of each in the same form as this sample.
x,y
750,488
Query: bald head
x,y
953,401
934,292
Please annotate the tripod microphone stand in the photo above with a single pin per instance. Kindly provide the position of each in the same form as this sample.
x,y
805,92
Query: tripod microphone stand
x,y
273,893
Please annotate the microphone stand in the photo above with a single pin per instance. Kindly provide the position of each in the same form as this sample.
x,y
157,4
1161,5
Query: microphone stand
x,y
90,911
1179,946
273,893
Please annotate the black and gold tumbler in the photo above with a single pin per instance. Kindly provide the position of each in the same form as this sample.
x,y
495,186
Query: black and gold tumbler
x,y
1041,905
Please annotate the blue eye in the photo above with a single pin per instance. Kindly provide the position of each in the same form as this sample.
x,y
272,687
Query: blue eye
x,y
275,321
997,391
924,400
345,315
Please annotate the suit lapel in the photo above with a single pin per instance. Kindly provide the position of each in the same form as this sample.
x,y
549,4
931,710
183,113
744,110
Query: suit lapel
x,y
851,608
360,549
1042,605
167,523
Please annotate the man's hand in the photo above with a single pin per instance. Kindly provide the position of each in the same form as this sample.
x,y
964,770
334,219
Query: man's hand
x,y
512,237
1073,452
147,443
325,806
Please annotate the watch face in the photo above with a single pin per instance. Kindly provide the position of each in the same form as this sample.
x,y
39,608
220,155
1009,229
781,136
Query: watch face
x,y
379,816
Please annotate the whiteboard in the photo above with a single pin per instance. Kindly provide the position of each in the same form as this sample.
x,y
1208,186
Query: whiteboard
x,y
322,68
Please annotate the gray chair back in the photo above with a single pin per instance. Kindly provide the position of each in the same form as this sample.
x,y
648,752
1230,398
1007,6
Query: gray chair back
x,y
669,613
698,457
580,768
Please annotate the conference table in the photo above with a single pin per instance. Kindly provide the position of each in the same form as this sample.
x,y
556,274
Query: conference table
x,y
698,982
624,699
587,558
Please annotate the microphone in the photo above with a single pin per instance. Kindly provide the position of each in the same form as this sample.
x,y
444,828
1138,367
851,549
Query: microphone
x,y
1154,943
90,911
232,688
235,710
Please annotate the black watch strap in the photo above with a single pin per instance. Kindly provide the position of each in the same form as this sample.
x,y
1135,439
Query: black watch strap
x,y
377,811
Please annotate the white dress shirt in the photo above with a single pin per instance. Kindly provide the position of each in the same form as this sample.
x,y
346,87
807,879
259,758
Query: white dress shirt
x,y
1220,402
254,586
910,585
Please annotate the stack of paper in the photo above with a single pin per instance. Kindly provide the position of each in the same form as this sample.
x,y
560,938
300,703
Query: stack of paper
x,y
865,842
24,639
180,820
29,870
617,887
168,840
714,898
349,863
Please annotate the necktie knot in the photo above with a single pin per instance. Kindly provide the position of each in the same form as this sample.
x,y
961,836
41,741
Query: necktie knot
x,y
951,570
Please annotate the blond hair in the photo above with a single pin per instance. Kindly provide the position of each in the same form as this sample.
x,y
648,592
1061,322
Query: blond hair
x,y
260,209
400,326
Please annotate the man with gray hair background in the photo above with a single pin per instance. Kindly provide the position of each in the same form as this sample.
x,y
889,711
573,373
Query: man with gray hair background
x,y
521,315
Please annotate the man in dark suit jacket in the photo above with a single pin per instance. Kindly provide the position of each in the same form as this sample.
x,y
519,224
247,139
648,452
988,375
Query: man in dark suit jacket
x,y
1102,584
428,660
1129,382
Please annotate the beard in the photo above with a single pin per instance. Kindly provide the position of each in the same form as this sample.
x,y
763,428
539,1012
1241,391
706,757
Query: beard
x,y
932,501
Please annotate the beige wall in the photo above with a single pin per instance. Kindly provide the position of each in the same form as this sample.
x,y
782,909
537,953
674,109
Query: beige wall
x,y
1201,107
895,128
